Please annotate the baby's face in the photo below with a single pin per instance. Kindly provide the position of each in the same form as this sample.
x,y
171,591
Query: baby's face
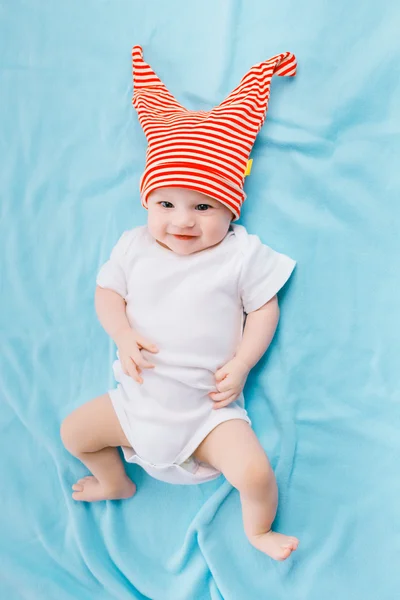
x,y
174,212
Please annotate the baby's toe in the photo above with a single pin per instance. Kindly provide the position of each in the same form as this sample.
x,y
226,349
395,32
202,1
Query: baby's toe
x,y
77,487
285,553
293,543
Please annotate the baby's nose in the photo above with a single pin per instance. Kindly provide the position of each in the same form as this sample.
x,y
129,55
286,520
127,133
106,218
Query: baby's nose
x,y
184,221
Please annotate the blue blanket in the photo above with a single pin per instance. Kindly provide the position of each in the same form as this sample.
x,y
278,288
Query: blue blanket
x,y
324,401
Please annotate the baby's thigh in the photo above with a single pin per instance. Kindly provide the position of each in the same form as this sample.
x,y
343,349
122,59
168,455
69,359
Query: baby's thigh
x,y
233,448
93,426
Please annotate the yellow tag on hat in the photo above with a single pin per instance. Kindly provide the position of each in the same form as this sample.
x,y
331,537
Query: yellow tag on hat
x,y
248,167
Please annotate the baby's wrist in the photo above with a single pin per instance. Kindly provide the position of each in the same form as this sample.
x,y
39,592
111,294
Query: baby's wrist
x,y
120,333
243,362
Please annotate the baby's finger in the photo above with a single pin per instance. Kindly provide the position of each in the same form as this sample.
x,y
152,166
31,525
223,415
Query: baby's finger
x,y
142,343
220,375
219,397
224,403
133,372
226,385
141,361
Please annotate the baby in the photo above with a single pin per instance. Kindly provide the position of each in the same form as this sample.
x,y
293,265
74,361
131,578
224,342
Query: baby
x,y
190,302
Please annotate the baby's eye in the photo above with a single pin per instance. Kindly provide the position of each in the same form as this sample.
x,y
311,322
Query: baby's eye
x,y
204,205
165,202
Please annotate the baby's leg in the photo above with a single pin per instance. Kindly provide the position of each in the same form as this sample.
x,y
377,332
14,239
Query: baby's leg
x,y
233,448
92,433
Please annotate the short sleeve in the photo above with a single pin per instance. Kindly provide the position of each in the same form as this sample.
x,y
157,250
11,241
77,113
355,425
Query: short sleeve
x,y
112,274
264,272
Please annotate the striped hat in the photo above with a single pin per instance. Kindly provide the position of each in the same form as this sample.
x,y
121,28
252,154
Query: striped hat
x,y
206,151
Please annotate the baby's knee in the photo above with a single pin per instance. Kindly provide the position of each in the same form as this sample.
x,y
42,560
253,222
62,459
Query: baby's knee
x,y
257,477
70,435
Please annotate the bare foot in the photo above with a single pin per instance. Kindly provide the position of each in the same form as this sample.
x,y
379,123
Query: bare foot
x,y
276,545
89,489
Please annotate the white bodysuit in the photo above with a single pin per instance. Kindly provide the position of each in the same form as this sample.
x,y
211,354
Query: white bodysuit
x,y
193,308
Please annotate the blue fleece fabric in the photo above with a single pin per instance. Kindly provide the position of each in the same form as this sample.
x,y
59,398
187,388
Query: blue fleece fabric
x,y
324,401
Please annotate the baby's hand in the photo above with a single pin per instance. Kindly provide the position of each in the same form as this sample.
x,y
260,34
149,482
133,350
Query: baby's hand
x,y
130,343
230,382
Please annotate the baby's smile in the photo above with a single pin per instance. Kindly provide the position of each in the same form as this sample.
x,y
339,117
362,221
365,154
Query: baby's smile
x,y
183,237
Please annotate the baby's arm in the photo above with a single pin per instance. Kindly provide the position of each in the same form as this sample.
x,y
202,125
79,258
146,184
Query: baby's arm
x,y
111,311
258,333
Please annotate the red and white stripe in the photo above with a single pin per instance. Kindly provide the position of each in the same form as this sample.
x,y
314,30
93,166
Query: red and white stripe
x,y
206,151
